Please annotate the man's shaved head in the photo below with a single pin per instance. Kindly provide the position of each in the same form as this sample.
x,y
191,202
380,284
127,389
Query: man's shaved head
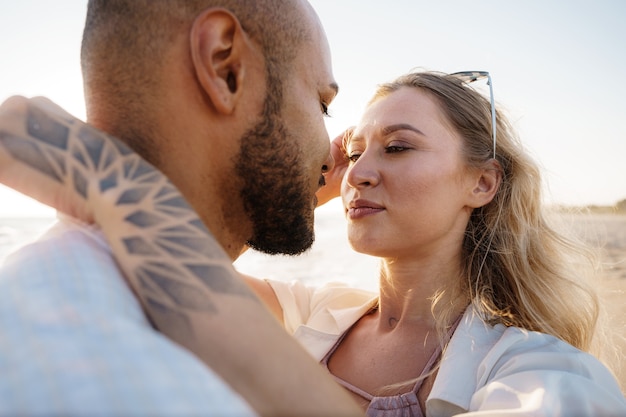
x,y
227,98
126,41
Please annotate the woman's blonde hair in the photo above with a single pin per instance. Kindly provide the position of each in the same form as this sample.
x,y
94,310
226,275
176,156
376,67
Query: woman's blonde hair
x,y
518,270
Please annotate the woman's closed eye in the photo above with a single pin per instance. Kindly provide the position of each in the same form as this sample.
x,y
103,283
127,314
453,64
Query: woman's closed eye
x,y
353,156
395,148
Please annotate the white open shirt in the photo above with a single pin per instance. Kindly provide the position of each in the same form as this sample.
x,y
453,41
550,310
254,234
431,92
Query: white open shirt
x,y
485,371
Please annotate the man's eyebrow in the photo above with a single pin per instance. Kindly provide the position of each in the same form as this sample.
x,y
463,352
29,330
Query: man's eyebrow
x,y
400,126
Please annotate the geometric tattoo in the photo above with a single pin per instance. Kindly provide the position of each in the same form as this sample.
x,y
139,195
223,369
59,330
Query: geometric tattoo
x,y
170,259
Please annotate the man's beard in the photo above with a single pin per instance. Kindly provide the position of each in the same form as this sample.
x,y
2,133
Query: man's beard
x,y
275,190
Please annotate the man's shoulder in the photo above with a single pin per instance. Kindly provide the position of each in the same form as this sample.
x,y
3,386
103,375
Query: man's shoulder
x,y
65,242
69,267
74,339
75,234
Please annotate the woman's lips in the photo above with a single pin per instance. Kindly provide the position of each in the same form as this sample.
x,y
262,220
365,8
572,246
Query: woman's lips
x,y
363,208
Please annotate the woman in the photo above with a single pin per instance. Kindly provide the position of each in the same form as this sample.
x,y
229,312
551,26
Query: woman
x,y
481,307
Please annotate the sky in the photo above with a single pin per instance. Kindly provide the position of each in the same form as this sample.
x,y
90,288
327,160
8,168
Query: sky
x,y
558,68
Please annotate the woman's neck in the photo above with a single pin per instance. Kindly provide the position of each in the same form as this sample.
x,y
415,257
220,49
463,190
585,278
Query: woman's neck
x,y
408,288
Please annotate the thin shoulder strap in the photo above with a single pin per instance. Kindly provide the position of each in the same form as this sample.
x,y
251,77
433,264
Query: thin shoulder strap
x,y
435,356
358,391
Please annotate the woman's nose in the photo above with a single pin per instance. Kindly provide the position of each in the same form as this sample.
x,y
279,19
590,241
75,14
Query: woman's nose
x,y
362,172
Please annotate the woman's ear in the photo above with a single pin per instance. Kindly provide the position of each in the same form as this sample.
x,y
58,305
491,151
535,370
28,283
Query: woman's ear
x,y
487,184
219,46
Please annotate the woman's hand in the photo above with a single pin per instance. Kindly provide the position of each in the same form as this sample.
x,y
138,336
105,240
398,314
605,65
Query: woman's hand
x,y
334,177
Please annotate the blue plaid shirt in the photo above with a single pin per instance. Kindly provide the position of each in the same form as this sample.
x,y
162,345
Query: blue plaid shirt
x,y
74,340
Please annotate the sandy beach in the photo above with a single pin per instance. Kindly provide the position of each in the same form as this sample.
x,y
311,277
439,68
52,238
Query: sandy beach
x,y
608,231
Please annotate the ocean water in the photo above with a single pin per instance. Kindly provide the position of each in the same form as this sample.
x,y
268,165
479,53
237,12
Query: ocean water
x,y
330,259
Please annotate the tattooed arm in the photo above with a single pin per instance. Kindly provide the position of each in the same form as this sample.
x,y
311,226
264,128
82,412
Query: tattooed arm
x,y
181,275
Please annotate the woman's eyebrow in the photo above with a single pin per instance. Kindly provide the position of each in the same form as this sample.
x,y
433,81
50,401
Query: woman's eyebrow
x,y
400,126
387,130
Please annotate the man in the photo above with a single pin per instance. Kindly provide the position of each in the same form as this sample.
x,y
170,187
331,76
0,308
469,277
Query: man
x,y
226,98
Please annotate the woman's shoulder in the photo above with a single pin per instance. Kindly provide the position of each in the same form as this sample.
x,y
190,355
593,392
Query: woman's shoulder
x,y
327,307
328,295
486,365
559,375
528,349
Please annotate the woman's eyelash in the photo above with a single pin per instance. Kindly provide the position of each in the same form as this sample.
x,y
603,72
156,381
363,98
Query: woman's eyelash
x,y
394,149
354,155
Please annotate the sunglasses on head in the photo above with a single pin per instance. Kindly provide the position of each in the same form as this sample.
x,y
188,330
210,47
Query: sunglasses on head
x,y
471,76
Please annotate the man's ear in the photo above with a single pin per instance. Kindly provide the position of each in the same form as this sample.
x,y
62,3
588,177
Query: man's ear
x,y
487,183
218,47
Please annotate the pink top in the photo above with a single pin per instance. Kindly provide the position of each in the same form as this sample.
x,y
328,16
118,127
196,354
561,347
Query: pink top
x,y
401,405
